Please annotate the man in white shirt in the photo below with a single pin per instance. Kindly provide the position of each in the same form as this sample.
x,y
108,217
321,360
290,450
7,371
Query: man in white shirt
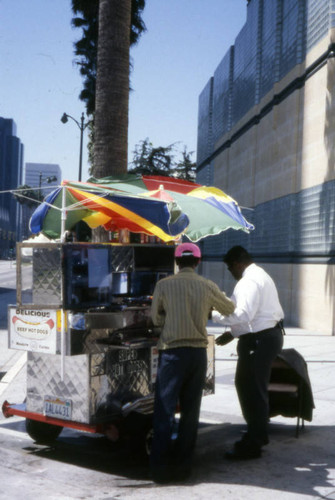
x,y
257,323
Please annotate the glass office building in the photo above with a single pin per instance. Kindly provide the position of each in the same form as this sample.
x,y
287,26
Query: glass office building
x,y
265,135
11,166
274,39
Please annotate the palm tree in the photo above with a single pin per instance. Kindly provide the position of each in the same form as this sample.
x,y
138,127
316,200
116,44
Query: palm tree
x,y
112,88
117,24
113,19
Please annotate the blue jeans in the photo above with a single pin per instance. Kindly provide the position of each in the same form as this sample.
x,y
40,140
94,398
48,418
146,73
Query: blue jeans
x,y
180,378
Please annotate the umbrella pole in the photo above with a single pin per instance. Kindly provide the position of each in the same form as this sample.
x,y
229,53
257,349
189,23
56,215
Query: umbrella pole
x,y
63,216
62,358
62,234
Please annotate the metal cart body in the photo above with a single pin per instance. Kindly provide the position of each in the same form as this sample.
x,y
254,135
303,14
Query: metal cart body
x,y
83,315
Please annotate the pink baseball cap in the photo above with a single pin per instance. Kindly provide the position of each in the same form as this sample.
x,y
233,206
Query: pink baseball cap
x,y
187,249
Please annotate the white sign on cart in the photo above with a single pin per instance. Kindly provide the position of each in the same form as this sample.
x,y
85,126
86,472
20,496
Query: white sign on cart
x,y
33,330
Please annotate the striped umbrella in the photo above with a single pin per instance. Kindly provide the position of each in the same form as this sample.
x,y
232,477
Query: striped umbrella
x,y
161,206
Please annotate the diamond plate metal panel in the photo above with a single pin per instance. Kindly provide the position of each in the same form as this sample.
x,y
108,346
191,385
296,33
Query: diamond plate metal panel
x,y
44,378
39,274
47,276
100,384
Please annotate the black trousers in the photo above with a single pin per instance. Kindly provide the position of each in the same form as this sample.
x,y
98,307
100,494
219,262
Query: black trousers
x,y
256,352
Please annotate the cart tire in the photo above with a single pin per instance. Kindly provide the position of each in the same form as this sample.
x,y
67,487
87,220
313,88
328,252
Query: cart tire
x,y
42,432
140,430
148,441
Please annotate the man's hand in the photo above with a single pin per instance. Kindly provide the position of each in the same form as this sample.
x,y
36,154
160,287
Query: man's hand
x,y
224,339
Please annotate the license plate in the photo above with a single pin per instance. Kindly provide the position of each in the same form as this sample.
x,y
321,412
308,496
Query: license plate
x,y
58,407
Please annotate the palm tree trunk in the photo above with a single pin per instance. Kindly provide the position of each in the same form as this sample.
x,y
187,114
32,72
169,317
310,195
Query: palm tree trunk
x,y
112,88
112,93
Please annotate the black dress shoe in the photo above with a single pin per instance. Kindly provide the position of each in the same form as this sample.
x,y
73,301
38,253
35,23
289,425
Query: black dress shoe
x,y
243,451
246,439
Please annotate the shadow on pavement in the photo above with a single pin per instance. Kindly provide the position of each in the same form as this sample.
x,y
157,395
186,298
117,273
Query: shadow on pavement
x,y
298,466
288,464
96,453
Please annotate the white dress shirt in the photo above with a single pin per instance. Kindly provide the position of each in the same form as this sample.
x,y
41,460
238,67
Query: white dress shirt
x,y
257,303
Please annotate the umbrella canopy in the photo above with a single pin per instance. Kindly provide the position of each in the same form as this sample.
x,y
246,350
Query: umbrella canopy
x,y
159,206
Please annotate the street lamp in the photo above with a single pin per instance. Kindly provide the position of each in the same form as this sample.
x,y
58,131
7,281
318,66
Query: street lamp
x,y
82,127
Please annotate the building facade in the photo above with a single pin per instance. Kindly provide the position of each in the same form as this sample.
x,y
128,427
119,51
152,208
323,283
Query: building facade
x,y
11,167
43,176
266,126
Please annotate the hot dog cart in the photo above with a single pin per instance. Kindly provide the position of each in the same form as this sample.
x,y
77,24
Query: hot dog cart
x,y
83,316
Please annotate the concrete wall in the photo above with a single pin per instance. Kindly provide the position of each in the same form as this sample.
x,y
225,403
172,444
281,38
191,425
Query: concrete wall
x,y
306,292
291,149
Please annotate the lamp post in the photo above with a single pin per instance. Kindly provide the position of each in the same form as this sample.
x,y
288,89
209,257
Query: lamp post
x,y
51,178
82,127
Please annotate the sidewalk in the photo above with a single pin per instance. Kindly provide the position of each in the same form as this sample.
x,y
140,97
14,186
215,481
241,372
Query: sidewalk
x,y
12,373
290,468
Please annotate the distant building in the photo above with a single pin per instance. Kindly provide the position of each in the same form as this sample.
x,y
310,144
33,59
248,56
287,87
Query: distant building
x,y
39,175
266,134
42,177
11,167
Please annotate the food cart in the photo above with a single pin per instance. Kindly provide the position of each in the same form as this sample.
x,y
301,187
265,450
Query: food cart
x,y
83,309
83,316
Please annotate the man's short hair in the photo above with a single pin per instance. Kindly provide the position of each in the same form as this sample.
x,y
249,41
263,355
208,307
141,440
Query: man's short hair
x,y
237,254
187,261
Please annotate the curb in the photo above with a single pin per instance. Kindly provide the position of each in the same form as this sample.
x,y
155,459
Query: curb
x,y
12,372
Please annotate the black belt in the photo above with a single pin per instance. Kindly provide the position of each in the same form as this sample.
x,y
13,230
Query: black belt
x,y
251,335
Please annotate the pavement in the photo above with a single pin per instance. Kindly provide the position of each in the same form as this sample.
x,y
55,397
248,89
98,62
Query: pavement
x,y
289,468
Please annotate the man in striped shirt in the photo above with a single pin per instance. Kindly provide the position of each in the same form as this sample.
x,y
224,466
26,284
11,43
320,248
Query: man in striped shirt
x,y
181,305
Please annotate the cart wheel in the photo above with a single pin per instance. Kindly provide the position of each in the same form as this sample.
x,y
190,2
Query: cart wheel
x,y
139,428
148,441
42,432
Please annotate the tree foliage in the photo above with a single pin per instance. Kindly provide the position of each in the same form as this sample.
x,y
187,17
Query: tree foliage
x,y
161,160
86,18
86,13
186,168
26,195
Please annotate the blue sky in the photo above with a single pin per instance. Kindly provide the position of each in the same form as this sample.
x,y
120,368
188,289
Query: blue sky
x,y
183,45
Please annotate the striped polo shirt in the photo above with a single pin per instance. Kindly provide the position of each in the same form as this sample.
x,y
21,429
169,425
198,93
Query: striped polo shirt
x,y
181,305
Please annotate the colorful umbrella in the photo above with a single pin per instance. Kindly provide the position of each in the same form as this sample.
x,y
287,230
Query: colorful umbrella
x,y
160,206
